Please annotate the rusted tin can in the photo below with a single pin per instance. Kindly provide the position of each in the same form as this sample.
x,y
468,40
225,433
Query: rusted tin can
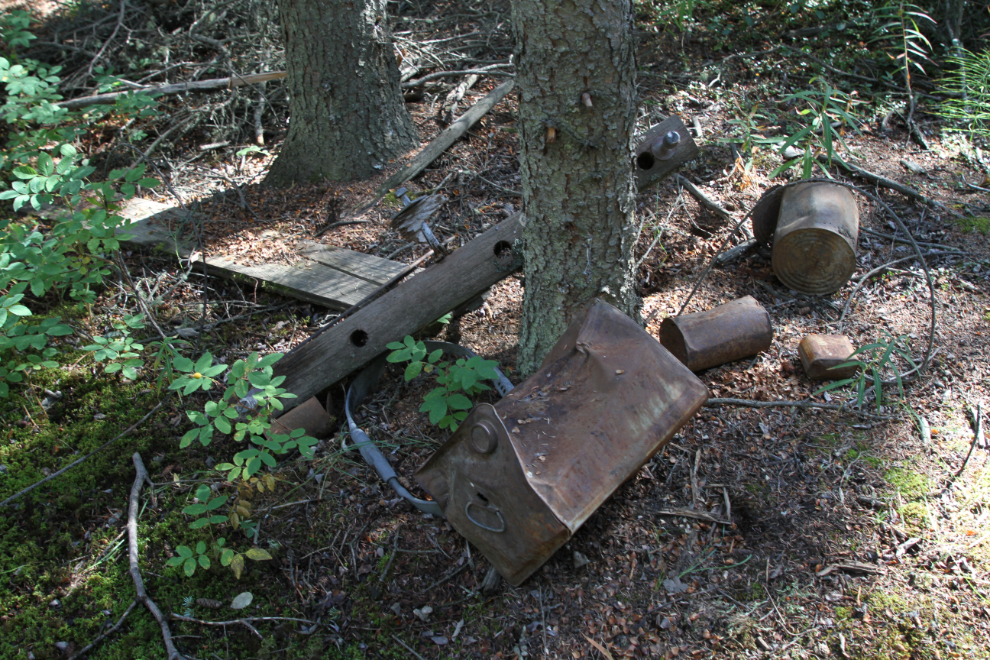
x,y
814,243
519,478
729,332
821,354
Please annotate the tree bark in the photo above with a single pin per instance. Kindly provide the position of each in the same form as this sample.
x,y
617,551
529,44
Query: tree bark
x,y
577,109
347,118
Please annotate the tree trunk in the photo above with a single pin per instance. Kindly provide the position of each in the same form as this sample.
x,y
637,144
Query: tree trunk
x,y
577,108
347,118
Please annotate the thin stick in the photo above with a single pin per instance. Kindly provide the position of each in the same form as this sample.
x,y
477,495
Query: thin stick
x,y
105,633
340,223
486,71
244,622
896,239
893,185
73,464
748,403
140,477
703,199
407,647
178,88
691,513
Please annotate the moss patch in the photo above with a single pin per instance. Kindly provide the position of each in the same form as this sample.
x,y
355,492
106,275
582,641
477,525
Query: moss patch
x,y
909,483
972,223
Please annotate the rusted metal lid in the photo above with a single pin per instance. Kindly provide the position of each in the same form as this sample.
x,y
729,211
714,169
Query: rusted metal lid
x,y
765,215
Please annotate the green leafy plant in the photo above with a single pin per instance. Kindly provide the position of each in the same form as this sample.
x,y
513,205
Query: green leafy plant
x,y
448,403
828,115
969,87
899,32
243,411
877,360
120,351
206,504
188,558
235,560
68,255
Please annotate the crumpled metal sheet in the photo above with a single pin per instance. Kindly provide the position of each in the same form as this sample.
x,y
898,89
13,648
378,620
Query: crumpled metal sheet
x,y
519,478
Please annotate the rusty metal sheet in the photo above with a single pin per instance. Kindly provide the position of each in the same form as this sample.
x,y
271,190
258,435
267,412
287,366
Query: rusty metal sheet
x,y
814,243
733,331
309,416
518,479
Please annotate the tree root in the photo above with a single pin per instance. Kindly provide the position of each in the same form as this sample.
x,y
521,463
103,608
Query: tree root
x,y
105,633
140,478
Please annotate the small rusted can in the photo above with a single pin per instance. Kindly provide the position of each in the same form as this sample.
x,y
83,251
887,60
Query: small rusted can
x,y
519,478
814,243
729,332
821,354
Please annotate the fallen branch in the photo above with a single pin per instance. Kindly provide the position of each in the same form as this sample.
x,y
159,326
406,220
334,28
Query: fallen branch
x,y
691,513
485,71
446,113
439,145
703,199
140,477
246,622
896,239
749,403
888,183
106,633
406,647
78,461
732,254
176,88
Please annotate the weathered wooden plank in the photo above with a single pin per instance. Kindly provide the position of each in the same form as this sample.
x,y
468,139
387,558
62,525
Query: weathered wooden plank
x,y
328,357
363,266
154,226
649,170
307,280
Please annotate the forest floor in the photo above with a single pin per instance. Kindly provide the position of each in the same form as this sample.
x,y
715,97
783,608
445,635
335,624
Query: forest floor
x,y
851,534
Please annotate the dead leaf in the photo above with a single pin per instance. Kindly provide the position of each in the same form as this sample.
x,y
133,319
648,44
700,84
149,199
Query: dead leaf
x,y
242,600
601,649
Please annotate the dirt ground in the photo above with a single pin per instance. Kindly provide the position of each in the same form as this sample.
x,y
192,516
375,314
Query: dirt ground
x,y
819,533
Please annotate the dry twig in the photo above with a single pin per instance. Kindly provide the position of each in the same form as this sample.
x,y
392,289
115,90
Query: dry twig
x,y
140,477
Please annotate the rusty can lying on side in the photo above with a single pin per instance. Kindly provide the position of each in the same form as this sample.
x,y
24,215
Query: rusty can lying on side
x,y
738,329
821,356
517,479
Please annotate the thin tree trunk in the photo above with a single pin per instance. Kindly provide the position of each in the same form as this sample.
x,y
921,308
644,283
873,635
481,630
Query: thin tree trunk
x,y
576,81
347,118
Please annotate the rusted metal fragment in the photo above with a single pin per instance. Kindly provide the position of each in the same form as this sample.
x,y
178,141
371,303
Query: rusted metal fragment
x,y
821,354
518,479
661,150
309,416
738,329
814,244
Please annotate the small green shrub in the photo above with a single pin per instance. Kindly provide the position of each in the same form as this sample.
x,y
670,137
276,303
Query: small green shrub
x,y
448,403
